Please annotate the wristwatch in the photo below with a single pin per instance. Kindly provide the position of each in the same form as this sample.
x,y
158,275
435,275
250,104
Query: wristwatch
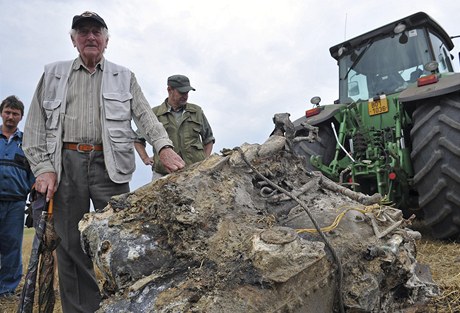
x,y
167,146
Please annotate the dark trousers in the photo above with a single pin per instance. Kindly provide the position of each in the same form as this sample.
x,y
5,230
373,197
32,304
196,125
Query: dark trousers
x,y
11,232
83,178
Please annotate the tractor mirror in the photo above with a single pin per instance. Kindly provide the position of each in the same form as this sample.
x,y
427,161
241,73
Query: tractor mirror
x,y
353,89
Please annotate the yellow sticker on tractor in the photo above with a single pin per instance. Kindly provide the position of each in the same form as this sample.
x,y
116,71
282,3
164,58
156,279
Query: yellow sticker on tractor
x,y
378,105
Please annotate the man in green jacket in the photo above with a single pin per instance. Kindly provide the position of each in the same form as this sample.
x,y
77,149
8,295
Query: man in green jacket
x,y
186,124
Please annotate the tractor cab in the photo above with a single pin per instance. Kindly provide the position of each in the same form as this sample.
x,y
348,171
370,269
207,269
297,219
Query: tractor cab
x,y
387,60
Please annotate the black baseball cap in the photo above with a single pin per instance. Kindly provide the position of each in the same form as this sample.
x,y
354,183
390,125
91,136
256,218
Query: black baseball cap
x,y
180,82
87,15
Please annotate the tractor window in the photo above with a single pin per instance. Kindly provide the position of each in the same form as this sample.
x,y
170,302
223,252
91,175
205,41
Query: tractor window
x,y
441,54
383,66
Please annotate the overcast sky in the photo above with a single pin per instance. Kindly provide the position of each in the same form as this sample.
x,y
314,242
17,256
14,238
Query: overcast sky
x,y
247,59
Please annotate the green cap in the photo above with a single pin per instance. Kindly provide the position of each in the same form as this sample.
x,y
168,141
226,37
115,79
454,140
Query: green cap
x,y
180,82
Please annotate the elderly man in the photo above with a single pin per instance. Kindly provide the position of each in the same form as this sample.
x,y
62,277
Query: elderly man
x,y
79,142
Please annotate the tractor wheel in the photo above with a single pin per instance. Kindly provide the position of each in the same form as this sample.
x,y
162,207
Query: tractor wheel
x,y
436,160
323,146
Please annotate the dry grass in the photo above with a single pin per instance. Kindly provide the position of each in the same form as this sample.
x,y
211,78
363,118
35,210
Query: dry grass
x,y
442,257
444,261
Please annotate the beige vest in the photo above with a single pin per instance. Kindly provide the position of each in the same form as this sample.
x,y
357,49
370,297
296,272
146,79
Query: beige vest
x,y
117,134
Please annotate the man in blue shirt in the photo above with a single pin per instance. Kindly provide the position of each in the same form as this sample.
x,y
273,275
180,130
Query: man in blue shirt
x,y
16,180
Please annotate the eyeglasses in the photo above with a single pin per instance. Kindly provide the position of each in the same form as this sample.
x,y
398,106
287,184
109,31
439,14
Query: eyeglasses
x,y
85,31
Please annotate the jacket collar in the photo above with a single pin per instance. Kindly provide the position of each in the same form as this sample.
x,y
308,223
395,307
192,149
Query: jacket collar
x,y
17,133
78,63
165,108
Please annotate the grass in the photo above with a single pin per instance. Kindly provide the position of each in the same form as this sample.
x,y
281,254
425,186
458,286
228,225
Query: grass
x,y
444,261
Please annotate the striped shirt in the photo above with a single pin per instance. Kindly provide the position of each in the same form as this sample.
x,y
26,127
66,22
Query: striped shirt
x,y
82,121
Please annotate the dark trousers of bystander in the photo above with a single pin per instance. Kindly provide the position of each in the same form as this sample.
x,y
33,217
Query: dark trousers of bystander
x,y
11,233
83,178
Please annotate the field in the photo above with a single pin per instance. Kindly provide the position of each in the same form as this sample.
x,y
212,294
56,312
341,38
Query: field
x,y
444,260
442,257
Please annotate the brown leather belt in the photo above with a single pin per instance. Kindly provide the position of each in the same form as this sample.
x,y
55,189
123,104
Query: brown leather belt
x,y
82,147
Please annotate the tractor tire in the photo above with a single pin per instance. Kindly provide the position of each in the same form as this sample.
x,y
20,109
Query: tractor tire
x,y
436,160
323,146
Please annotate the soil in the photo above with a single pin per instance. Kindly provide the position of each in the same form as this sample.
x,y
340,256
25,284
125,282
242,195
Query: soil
x,y
442,256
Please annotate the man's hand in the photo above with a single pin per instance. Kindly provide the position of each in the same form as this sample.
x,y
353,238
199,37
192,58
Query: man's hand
x,y
171,160
148,160
46,183
140,148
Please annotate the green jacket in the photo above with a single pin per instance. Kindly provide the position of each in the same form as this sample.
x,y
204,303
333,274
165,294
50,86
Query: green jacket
x,y
189,134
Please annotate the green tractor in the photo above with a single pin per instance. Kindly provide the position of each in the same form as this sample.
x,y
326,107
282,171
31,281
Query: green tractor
x,y
395,129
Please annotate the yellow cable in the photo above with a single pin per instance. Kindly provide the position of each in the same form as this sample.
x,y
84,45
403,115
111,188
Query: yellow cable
x,y
335,223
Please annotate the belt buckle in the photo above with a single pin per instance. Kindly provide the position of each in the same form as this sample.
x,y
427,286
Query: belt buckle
x,y
85,147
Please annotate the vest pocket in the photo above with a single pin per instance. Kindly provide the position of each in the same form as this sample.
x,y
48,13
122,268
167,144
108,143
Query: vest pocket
x,y
121,141
117,105
191,134
52,113
196,153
